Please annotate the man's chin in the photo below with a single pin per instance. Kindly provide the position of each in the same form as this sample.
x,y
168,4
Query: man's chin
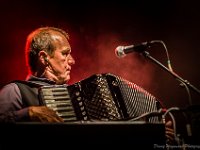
x,y
66,79
63,80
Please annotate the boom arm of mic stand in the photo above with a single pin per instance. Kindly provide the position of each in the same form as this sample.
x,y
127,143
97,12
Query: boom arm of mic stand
x,y
146,54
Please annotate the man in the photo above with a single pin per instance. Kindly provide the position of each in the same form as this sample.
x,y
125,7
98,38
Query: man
x,y
48,55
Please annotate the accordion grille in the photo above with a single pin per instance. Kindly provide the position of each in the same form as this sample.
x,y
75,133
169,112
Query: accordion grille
x,y
101,105
137,100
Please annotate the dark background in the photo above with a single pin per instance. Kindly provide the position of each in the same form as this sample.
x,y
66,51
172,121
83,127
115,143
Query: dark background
x,y
96,28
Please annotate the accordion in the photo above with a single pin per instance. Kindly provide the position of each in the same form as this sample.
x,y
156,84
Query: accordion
x,y
99,97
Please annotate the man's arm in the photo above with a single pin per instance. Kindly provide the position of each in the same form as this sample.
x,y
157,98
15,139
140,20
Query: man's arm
x,y
12,110
11,106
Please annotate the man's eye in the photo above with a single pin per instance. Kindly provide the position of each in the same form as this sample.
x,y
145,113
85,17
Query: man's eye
x,y
65,54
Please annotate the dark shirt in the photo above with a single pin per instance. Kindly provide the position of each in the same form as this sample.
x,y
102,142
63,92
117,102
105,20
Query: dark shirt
x,y
11,105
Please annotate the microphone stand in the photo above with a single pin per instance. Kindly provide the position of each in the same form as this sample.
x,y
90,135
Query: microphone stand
x,y
146,54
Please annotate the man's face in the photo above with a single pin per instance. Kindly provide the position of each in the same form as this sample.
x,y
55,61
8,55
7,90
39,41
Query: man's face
x,y
61,61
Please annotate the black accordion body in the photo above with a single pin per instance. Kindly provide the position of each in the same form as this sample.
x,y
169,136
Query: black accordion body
x,y
99,97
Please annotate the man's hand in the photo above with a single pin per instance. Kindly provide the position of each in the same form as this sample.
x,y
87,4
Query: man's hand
x,y
169,132
43,114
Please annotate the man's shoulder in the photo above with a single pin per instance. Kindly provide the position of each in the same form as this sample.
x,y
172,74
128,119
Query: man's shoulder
x,y
12,86
18,84
31,83
9,89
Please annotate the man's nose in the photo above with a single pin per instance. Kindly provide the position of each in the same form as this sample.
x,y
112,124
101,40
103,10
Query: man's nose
x,y
71,60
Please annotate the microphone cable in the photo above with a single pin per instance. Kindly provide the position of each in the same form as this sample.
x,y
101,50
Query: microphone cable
x,y
166,51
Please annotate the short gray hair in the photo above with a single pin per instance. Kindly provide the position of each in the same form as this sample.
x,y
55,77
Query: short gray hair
x,y
40,39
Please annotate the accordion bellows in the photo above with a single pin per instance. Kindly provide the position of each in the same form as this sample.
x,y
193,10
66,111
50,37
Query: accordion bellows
x,y
99,97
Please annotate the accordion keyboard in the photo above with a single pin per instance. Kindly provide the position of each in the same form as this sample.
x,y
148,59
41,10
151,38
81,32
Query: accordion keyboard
x,y
57,98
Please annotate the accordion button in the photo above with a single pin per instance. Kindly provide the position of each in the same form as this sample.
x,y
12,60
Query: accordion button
x,y
83,113
82,108
77,93
80,103
78,98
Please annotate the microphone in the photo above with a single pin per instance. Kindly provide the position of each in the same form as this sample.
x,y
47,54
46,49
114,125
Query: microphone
x,y
121,51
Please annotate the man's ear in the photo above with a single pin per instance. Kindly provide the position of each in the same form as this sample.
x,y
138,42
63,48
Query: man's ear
x,y
43,57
